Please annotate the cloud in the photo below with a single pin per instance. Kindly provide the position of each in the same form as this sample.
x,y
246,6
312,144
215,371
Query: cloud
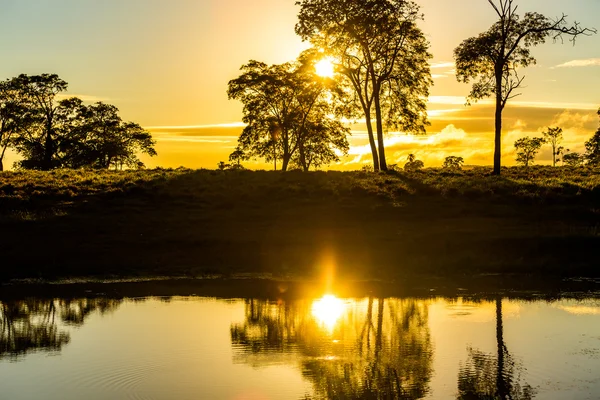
x,y
86,98
193,127
588,62
443,64
227,129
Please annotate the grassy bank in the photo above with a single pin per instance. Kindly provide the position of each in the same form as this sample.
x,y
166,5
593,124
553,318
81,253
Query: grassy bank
x,y
543,221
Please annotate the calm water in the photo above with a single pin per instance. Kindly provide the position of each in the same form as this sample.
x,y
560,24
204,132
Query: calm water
x,y
312,348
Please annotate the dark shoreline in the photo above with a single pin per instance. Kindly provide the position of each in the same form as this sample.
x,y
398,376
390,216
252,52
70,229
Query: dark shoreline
x,y
483,287
537,222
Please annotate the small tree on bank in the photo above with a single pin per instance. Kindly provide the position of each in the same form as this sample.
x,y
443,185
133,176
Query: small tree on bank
x,y
554,136
493,58
413,164
573,159
453,163
527,148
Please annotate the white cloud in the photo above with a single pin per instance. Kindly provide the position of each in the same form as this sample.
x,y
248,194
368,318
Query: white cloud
x,y
588,62
443,64
86,98
188,127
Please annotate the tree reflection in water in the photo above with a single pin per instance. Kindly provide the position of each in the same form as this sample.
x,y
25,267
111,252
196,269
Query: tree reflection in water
x,y
375,349
38,325
493,377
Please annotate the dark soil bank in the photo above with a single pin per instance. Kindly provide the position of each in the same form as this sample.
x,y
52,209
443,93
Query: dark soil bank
x,y
538,221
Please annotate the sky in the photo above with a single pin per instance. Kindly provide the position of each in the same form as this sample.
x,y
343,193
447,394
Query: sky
x,y
166,64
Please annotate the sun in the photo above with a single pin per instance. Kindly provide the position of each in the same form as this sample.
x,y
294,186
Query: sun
x,y
328,310
324,68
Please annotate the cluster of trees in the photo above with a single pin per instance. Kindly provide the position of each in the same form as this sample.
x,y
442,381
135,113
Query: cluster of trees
x,y
527,148
290,115
382,75
50,133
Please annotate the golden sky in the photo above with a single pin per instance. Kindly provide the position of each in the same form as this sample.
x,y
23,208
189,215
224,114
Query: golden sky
x,y
166,65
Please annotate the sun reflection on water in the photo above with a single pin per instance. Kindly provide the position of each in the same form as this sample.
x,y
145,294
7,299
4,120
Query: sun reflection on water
x,y
328,310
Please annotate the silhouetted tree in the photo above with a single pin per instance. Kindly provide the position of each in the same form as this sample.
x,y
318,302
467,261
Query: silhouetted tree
x,y
287,109
527,148
236,158
554,136
82,135
413,164
592,148
573,159
387,351
485,377
95,136
453,162
382,57
493,58
38,94
13,117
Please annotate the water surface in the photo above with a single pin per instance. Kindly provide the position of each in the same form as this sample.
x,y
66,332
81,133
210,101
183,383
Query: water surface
x,y
323,347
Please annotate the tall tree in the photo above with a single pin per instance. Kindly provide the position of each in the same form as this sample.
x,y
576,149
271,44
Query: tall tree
x,y
554,136
38,93
382,56
493,58
287,109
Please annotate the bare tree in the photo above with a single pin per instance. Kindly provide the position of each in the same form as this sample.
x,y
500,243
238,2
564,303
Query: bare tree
x,y
493,58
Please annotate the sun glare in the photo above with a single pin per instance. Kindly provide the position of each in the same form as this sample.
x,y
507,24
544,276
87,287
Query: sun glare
x,y
324,68
328,310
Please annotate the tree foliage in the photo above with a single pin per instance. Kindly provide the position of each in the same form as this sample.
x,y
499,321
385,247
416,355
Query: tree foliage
x,y
413,164
573,159
382,57
288,111
527,148
493,59
49,133
453,163
554,136
592,148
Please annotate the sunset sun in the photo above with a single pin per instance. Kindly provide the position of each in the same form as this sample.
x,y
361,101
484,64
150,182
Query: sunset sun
x,y
325,68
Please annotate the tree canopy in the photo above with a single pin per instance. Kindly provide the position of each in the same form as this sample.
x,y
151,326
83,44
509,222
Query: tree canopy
x,y
592,147
289,112
382,56
49,133
493,59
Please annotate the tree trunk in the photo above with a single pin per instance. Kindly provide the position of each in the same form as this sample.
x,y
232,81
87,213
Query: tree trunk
x,y
286,161
372,141
554,155
500,380
380,143
1,165
498,130
48,151
379,337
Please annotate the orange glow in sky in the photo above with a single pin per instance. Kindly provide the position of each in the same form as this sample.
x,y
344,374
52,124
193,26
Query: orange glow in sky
x,y
166,66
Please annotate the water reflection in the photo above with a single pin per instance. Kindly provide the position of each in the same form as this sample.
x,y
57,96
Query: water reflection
x,y
39,325
366,349
487,376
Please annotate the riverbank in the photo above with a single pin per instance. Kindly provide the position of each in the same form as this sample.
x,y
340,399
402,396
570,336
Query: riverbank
x,y
354,225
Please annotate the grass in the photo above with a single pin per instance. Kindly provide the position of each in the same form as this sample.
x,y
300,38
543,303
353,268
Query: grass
x,y
539,221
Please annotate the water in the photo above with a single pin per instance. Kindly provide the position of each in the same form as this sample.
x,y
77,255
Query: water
x,y
102,346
